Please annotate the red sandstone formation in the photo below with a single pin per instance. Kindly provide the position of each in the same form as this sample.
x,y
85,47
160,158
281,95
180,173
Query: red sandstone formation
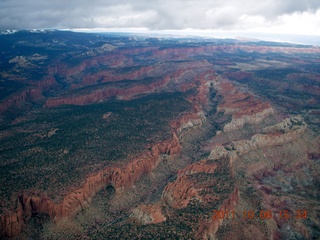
x,y
100,95
120,93
286,131
118,177
179,193
109,59
199,101
111,76
20,99
208,228
244,108
123,58
28,95
188,120
148,214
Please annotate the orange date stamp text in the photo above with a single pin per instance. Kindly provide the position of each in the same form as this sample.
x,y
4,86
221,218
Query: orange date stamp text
x,y
263,214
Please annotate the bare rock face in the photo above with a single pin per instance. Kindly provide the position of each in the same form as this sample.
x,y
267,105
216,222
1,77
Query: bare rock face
x,y
218,151
18,100
190,186
281,133
208,228
287,125
189,120
290,130
104,94
118,177
209,179
148,214
243,108
179,193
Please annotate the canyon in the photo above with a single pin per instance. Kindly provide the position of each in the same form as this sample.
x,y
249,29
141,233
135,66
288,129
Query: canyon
x,y
118,137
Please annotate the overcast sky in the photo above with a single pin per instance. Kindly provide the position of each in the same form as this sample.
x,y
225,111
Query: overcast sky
x,y
276,16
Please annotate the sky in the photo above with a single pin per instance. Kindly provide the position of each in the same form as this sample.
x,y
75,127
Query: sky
x,y
301,17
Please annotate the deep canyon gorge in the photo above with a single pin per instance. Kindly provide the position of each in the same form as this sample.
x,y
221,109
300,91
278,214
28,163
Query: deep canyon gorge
x,y
107,136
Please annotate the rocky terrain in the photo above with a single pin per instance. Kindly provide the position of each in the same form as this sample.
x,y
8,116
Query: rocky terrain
x,y
107,136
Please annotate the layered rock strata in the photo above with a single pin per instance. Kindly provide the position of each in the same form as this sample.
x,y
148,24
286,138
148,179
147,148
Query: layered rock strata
x,y
243,107
148,214
118,177
113,92
209,228
281,133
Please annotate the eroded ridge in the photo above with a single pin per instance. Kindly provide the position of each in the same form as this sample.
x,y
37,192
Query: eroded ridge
x,y
120,178
203,185
281,133
243,107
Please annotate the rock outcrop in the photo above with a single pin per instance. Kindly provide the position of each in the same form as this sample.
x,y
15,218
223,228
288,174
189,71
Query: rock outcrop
x,y
18,100
119,93
178,194
148,214
118,177
208,228
281,133
196,183
243,107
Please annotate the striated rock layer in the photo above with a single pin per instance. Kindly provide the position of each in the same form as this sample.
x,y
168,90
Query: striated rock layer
x,y
208,228
281,133
243,107
179,193
117,177
148,214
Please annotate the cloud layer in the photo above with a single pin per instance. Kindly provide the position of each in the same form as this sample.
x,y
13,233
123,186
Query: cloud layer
x,y
230,15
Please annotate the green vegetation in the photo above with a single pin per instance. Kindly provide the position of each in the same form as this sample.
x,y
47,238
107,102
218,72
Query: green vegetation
x,y
83,140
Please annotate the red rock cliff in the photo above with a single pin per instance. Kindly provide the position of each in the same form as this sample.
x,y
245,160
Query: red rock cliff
x,y
118,177
208,228
243,107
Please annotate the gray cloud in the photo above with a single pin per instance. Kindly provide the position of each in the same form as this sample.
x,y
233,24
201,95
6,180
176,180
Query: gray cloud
x,y
151,14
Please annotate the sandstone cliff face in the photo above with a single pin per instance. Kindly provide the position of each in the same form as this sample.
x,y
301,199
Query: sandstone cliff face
x,y
238,122
187,188
294,129
30,95
119,93
125,58
208,228
244,108
19,99
286,131
199,101
217,151
148,214
187,121
179,193
118,177
190,186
